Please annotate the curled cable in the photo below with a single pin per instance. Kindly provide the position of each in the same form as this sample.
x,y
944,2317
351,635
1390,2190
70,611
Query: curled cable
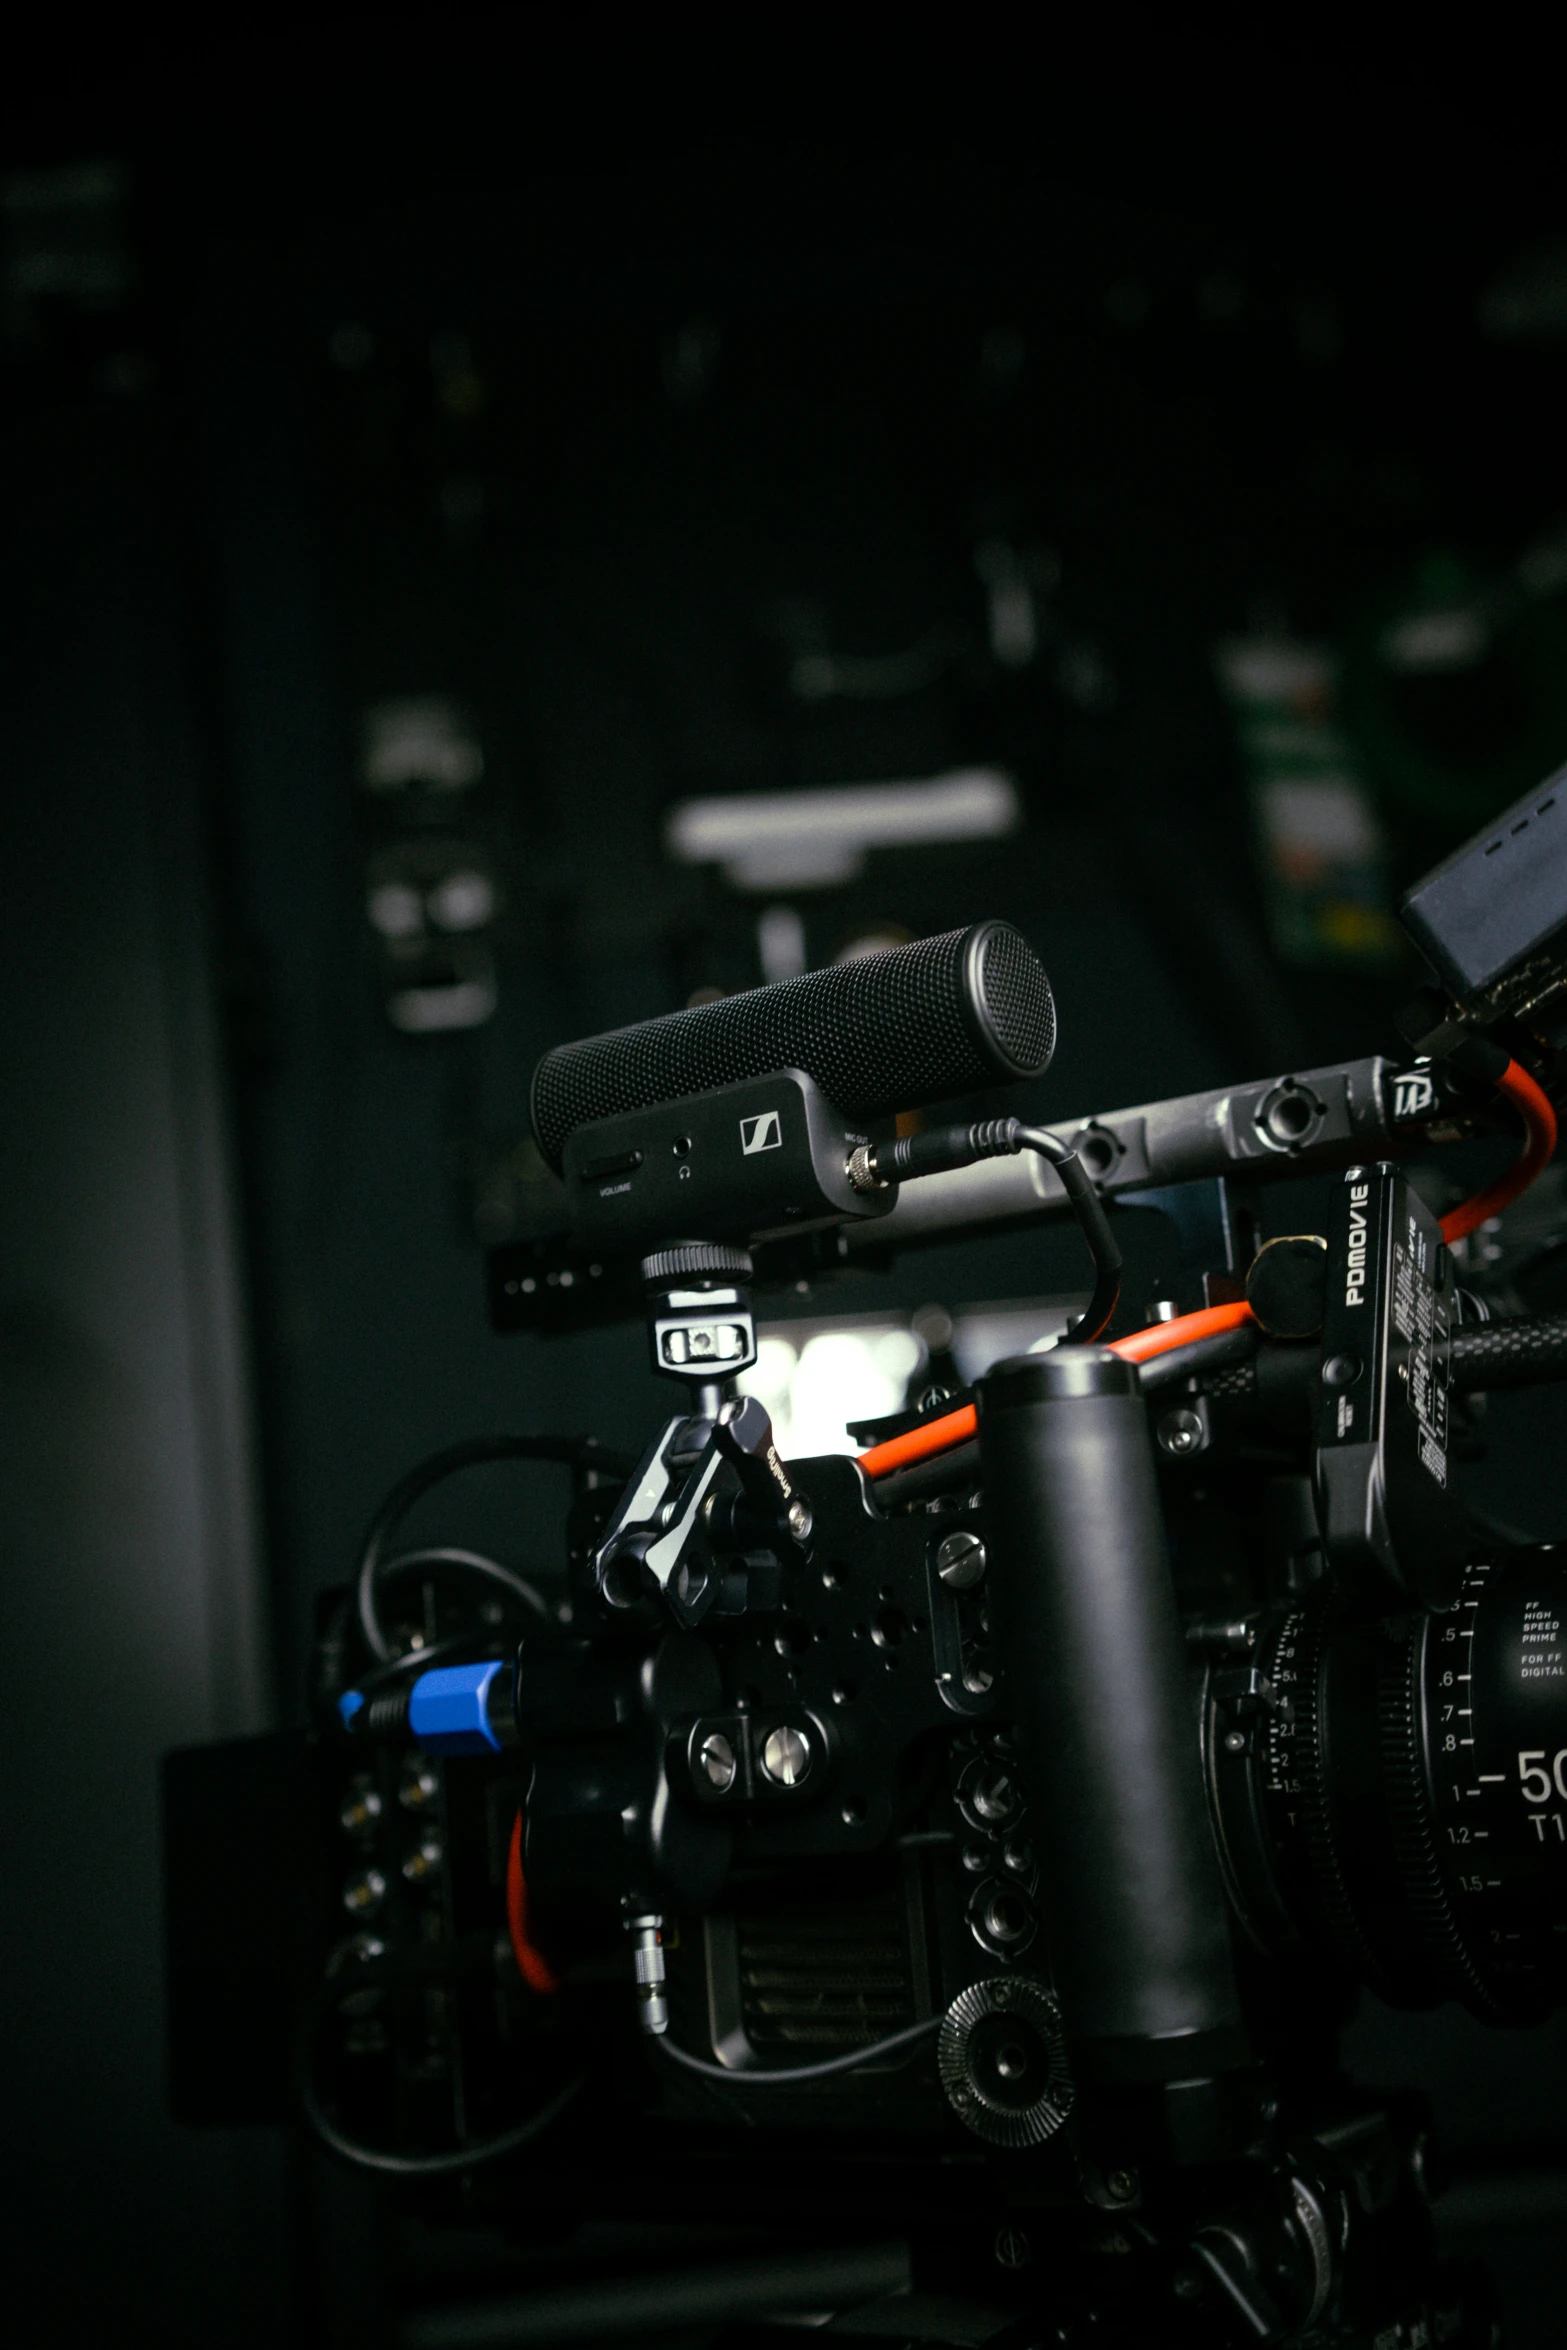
x,y
380,2159
575,1452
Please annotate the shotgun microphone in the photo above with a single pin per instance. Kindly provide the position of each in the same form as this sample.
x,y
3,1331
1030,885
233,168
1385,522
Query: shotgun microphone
x,y
884,1032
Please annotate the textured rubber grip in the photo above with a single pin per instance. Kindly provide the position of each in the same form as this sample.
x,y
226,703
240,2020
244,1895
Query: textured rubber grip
x,y
883,1032
1510,1354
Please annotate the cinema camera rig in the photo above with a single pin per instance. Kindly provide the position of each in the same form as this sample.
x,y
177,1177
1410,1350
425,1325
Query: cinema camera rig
x,y
981,1839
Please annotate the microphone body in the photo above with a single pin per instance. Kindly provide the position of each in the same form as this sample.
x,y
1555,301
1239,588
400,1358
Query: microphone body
x,y
885,1032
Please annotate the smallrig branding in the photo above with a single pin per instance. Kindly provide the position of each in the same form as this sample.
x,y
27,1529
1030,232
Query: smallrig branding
x,y
1355,1274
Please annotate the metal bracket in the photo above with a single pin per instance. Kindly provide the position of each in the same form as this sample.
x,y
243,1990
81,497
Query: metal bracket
x,y
691,1527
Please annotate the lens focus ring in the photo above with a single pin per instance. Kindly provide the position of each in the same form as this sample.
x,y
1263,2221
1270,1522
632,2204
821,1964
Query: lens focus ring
x,y
1407,1809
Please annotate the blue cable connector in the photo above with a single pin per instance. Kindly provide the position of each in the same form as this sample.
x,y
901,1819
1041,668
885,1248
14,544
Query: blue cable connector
x,y
449,1709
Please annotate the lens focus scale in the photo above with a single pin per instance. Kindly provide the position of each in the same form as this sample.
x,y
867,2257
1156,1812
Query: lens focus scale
x,y
1406,1805
1500,1772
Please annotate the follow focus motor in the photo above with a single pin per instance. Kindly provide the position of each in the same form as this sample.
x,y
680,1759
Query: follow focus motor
x,y
981,1839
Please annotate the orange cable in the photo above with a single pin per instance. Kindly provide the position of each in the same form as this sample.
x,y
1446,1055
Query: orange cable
x,y
919,1444
1539,1126
532,1965
953,1428
1161,1337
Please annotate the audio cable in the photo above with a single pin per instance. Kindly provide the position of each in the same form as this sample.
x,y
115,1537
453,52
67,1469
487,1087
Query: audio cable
x,y
939,1150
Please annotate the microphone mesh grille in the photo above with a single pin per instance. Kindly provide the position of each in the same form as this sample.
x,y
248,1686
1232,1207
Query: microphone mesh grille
x,y
1017,1000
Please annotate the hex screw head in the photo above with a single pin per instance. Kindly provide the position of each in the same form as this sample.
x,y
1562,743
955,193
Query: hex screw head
x,y
960,1561
1121,2184
1180,1433
800,1520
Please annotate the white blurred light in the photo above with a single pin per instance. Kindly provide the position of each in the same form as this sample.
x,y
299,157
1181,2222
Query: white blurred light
x,y
1014,624
838,1379
435,1011
1429,644
770,1375
426,742
463,901
812,839
812,1392
780,943
395,910
898,1356
816,1382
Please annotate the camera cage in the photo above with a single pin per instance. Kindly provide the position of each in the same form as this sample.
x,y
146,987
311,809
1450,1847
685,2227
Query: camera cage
x,y
950,1677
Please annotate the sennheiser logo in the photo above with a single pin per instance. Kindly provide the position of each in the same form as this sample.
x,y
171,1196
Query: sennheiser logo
x,y
1413,1093
761,1133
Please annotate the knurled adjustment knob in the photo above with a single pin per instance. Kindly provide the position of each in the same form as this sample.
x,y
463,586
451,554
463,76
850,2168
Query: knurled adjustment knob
x,y
695,1260
1287,1285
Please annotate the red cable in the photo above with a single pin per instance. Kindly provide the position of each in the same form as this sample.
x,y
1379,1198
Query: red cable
x,y
953,1428
1160,1337
1539,1127
532,1965
919,1444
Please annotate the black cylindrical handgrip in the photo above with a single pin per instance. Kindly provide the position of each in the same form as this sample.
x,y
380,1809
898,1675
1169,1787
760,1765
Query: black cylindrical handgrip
x,y
882,1032
1096,1677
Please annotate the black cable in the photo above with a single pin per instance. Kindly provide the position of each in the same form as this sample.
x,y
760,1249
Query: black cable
x,y
1214,1353
939,1150
432,2166
379,2159
1510,1354
515,1585
413,1661
574,1452
958,1465
1088,1208
870,2054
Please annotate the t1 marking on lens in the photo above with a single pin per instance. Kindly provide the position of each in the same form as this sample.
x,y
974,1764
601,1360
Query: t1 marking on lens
x,y
764,1132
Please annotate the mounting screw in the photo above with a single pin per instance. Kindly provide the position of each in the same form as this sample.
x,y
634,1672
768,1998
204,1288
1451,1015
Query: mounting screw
x,y
717,1760
800,1520
1234,1741
1180,1433
960,1561
1013,2248
1121,2185
786,1756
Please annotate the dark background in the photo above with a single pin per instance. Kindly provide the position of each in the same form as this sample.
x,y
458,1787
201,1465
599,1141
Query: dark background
x,y
588,390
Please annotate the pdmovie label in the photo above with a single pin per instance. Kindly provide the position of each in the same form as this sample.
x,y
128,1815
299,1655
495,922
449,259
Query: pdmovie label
x,y
1355,1273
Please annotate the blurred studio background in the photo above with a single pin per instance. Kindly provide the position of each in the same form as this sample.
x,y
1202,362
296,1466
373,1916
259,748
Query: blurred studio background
x,y
488,557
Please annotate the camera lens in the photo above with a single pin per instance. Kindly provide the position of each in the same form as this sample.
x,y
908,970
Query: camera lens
x,y
1396,1791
